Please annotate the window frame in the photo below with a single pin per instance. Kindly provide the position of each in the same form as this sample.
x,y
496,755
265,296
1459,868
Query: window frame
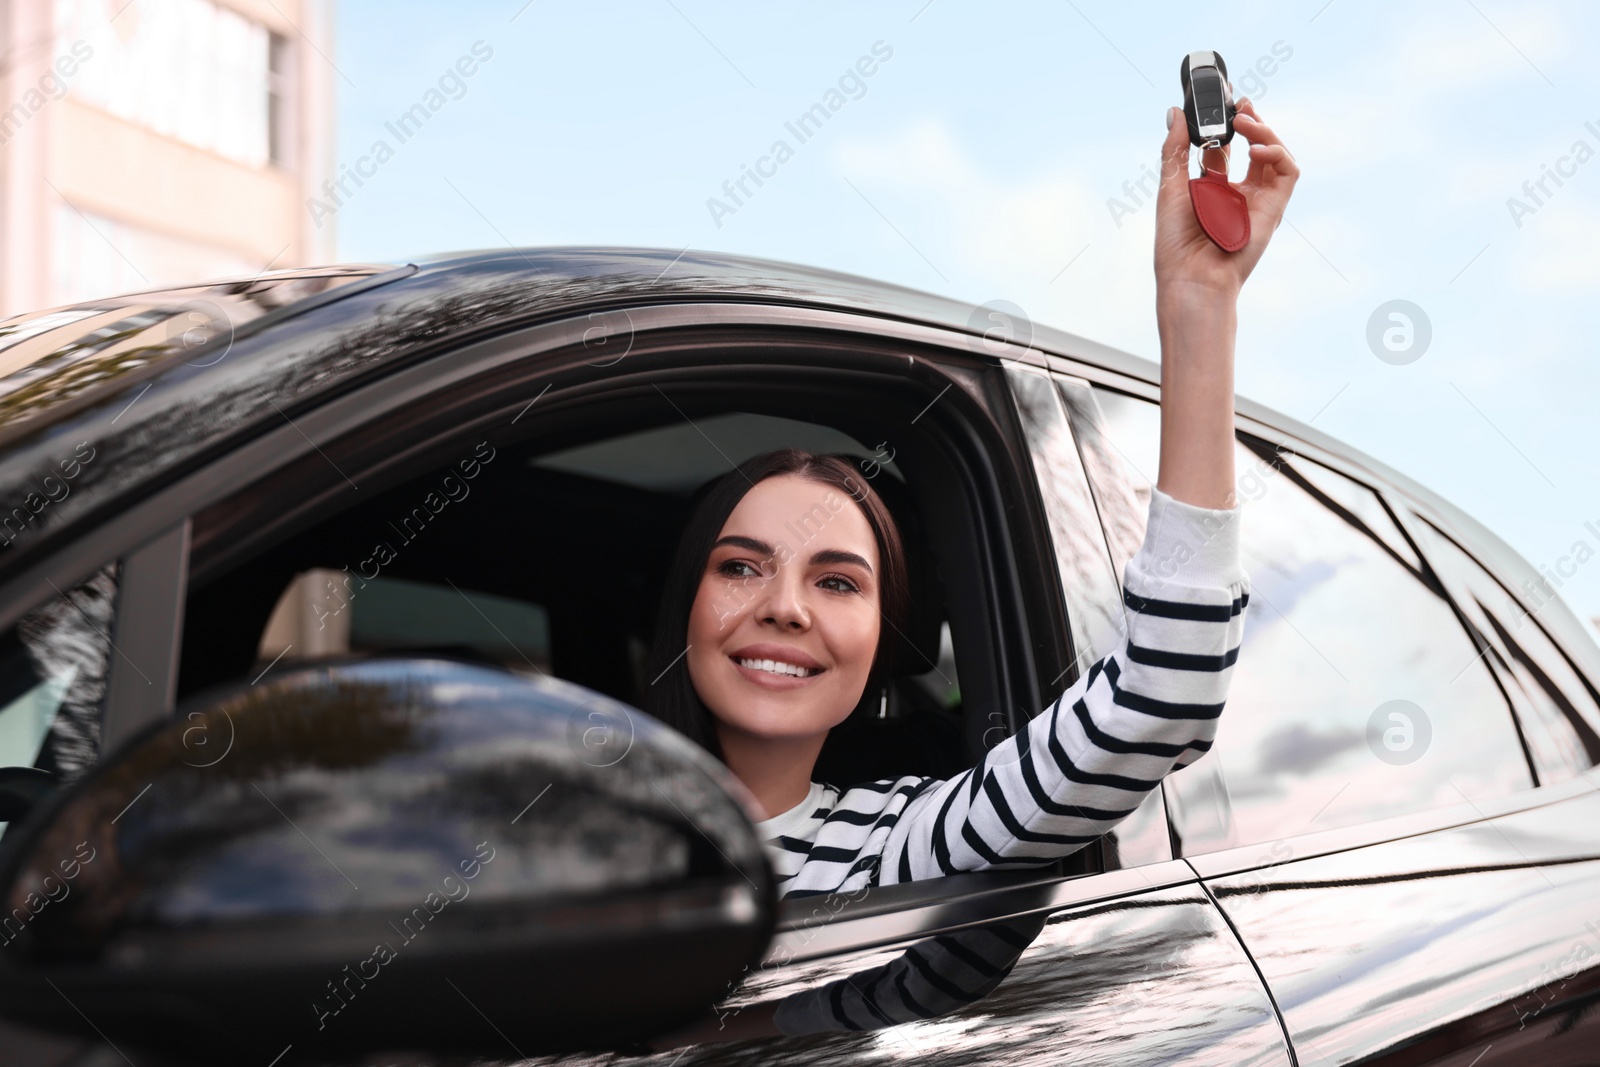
x,y
441,386
1408,515
895,912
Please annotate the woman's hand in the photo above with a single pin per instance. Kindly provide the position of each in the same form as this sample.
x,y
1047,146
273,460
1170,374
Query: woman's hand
x,y
1197,300
1185,256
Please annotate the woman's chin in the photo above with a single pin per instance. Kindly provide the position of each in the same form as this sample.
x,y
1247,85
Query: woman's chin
x,y
777,716
778,708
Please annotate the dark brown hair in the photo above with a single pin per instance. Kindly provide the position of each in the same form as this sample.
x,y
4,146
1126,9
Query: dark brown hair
x,y
669,692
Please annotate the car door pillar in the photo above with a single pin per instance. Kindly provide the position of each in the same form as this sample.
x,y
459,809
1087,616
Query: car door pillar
x,y
142,680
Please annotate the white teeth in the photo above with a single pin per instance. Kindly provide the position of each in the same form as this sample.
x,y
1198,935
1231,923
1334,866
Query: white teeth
x,y
776,667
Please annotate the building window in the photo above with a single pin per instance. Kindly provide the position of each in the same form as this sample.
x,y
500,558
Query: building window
x,y
93,256
188,69
280,117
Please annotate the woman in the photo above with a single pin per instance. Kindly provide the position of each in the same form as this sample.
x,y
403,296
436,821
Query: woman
x,y
767,643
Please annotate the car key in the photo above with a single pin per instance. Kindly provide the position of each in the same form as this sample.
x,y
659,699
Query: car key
x,y
1207,99
1222,211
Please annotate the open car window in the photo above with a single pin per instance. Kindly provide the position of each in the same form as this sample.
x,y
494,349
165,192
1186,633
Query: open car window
x,y
549,561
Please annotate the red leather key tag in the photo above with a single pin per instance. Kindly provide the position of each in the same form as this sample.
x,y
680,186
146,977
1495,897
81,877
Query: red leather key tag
x,y
1221,209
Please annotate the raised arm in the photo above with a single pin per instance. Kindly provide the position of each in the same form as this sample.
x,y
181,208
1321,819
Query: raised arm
x,y
1152,704
1197,296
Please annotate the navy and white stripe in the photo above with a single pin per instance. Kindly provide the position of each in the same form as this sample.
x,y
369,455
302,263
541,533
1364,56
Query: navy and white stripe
x,y
931,978
1083,764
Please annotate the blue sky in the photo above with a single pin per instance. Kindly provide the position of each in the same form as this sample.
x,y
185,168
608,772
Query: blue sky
x,y
979,160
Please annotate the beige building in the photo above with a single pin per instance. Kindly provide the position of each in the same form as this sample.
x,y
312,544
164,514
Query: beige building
x,y
145,143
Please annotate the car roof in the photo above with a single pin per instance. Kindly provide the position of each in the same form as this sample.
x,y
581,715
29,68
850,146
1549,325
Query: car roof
x,y
161,379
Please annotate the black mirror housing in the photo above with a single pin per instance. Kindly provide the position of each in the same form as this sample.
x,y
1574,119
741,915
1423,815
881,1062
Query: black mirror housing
x,y
390,854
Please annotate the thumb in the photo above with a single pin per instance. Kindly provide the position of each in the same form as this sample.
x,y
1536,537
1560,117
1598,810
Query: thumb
x,y
1175,158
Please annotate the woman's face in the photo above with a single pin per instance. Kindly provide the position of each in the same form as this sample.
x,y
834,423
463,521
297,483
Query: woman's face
x,y
792,578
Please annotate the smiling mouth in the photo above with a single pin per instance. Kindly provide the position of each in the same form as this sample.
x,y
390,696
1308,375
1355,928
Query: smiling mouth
x,y
778,667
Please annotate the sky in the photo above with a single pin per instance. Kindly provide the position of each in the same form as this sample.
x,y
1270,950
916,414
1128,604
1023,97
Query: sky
x,y
995,152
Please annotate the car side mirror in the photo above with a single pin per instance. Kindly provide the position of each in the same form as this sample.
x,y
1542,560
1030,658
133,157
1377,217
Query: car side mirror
x,y
386,855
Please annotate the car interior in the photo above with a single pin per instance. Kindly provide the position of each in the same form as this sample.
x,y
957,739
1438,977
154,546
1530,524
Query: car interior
x,y
553,561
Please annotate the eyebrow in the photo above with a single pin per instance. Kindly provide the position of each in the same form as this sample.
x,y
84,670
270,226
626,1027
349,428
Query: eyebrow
x,y
825,555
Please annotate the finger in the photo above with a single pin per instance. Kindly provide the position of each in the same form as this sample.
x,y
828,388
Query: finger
x,y
1174,158
1255,131
1278,173
1258,133
1275,156
1273,171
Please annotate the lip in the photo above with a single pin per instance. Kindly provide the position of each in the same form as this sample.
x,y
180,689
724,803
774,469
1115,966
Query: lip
x,y
771,681
769,650
767,680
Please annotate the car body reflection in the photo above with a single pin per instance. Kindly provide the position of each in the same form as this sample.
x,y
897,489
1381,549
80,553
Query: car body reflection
x,y
1372,948
1155,977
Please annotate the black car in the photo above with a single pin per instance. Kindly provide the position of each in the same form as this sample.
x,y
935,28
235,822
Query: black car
x,y
325,591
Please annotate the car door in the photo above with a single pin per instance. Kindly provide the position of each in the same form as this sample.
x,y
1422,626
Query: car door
x,y
1410,863
1126,960
1131,962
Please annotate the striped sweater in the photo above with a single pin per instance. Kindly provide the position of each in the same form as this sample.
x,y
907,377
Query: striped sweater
x,y
1081,765
1146,709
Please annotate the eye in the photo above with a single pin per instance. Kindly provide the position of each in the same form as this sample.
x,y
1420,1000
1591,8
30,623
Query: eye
x,y
848,585
731,568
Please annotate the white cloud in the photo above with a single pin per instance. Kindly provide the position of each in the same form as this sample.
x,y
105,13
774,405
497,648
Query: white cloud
x,y
1443,54
1011,235
1555,249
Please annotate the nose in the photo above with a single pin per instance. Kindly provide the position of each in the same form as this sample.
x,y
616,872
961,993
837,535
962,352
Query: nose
x,y
782,600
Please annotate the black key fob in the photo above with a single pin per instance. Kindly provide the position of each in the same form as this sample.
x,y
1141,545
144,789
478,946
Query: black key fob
x,y
1207,99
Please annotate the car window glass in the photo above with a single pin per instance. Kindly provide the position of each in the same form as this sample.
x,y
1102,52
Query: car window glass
x,y
1357,695
53,665
1133,431
1123,504
1136,441
1358,504
1091,590
1561,719
1091,509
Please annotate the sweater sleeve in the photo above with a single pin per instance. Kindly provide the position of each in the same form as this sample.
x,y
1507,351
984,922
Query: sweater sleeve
x,y
1086,761
931,978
